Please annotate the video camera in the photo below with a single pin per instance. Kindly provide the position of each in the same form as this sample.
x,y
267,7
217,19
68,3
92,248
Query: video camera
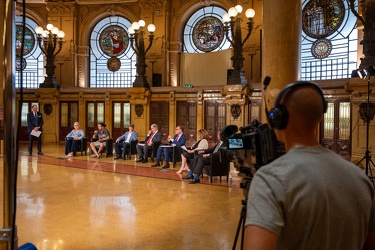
x,y
257,138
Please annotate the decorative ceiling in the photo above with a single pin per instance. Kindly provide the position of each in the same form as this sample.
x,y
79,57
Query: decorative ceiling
x,y
81,1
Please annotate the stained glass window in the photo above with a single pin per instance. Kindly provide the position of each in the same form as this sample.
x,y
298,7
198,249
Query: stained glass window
x,y
33,64
329,40
204,31
112,60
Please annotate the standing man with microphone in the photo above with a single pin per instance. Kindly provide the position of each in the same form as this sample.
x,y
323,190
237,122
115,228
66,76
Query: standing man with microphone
x,y
34,129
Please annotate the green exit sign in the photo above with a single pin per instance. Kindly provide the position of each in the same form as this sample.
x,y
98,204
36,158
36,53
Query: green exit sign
x,y
188,85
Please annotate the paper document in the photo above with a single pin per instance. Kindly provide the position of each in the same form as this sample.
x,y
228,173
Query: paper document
x,y
183,147
165,146
35,133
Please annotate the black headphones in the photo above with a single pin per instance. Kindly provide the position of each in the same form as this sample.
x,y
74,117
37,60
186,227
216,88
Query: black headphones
x,y
277,117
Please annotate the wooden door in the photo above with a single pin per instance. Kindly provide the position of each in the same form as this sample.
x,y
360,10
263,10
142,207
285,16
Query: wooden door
x,y
186,117
215,114
121,118
26,108
95,113
335,129
159,114
68,116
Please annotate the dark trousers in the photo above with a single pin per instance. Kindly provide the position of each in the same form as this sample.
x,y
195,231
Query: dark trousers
x,y
189,157
198,164
38,140
143,151
72,146
120,146
167,151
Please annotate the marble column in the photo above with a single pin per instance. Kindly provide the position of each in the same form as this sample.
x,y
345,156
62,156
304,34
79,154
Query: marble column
x,y
282,27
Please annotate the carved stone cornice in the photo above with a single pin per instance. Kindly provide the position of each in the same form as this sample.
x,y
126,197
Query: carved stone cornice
x,y
357,84
139,95
236,92
61,8
49,95
152,5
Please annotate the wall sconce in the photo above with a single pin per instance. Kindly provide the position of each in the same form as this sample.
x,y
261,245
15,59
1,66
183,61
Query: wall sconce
x,y
137,33
47,41
232,21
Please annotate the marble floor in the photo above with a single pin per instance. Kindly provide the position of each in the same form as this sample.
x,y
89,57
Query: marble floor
x,y
84,203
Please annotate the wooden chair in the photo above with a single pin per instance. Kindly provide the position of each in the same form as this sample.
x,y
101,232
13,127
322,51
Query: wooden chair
x,y
108,149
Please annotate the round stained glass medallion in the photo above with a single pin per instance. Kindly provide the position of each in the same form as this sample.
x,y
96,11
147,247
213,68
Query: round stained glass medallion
x,y
113,40
113,64
322,18
18,63
208,34
29,41
321,48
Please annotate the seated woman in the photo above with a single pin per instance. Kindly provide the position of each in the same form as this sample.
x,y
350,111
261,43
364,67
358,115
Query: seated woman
x,y
101,135
72,140
188,154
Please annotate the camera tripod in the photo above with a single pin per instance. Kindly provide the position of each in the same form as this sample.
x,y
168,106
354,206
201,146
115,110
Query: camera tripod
x,y
245,185
368,117
241,225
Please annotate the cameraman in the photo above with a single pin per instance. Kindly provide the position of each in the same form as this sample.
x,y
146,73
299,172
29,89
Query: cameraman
x,y
309,198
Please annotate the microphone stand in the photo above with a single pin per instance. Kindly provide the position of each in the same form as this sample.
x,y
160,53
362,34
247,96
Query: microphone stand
x,y
367,152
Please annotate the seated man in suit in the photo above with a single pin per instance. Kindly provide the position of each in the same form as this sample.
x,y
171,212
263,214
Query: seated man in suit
x,y
177,140
201,159
123,142
143,149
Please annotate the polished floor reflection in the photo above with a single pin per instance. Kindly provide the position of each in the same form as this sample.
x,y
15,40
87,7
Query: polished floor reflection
x,y
85,203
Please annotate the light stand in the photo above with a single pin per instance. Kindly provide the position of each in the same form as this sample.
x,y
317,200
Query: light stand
x,y
137,43
367,118
50,37
233,20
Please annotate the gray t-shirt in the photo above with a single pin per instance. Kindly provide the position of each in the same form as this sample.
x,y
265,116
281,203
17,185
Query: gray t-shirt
x,y
312,199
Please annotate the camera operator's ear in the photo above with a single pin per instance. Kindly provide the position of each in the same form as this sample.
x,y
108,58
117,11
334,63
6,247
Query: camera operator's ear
x,y
228,132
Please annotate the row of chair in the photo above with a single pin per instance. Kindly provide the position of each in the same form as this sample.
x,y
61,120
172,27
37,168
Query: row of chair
x,y
219,166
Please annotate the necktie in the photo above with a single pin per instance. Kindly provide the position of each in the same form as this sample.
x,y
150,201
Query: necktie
x,y
150,138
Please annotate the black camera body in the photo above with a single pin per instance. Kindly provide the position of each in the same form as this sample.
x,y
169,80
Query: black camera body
x,y
257,138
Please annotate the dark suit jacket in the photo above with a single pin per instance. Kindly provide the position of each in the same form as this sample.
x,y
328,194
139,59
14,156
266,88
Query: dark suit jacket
x,y
32,123
180,141
157,137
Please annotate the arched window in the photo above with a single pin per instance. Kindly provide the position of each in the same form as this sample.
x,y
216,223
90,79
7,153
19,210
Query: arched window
x,y
112,60
204,31
329,40
32,61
